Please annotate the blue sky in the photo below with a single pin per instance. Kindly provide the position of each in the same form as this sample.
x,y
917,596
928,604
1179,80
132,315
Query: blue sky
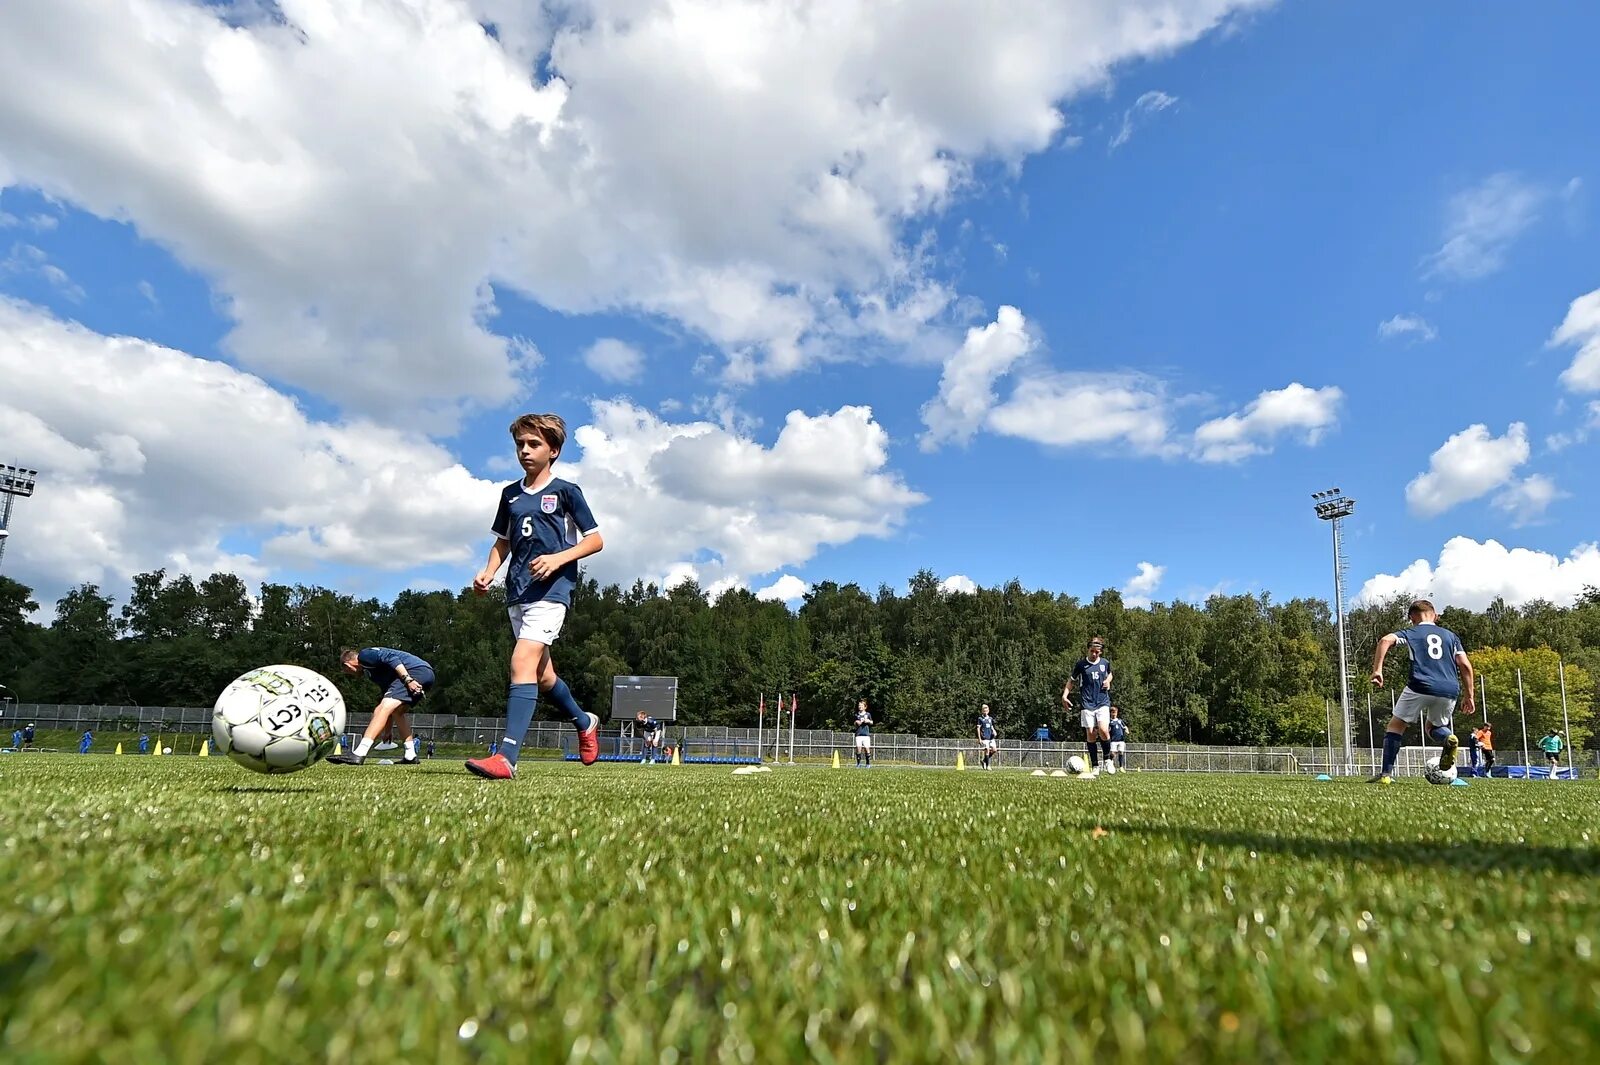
x,y
1267,249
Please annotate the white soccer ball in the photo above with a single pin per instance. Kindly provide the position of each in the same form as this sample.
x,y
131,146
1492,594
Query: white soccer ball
x,y
278,719
1077,764
1434,775
1111,768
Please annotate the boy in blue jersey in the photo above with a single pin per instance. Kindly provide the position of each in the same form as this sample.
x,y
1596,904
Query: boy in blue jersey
x,y
653,732
405,679
988,737
1441,673
85,741
1093,676
863,727
1118,730
544,526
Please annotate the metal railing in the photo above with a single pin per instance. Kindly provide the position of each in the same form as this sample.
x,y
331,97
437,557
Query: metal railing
x,y
808,745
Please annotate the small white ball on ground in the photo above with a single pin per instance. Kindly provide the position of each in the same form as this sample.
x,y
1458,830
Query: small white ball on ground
x,y
166,750
1434,775
1077,764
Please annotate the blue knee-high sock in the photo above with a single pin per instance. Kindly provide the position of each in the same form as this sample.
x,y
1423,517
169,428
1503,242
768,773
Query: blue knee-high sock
x,y
1442,733
561,695
520,703
1391,751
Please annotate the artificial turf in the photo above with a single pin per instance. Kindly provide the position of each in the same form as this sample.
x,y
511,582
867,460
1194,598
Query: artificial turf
x,y
186,910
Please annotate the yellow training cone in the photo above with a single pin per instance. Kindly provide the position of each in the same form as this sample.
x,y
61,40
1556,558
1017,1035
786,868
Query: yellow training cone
x,y
119,748
205,748
836,759
157,749
961,761
677,759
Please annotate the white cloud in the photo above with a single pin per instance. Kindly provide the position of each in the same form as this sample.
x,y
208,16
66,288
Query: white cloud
x,y
1472,574
1147,104
26,260
353,177
787,589
1070,410
1581,327
148,292
1142,585
958,584
1296,410
699,495
614,360
112,424
1412,326
150,457
1481,224
966,388
1527,500
1468,465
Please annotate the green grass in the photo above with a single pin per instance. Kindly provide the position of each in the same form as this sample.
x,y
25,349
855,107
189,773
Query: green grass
x,y
186,910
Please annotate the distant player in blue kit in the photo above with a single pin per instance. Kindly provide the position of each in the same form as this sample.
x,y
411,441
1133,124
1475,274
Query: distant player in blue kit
x,y
1092,673
144,743
653,732
1118,730
405,679
988,737
863,727
85,742
544,526
1441,673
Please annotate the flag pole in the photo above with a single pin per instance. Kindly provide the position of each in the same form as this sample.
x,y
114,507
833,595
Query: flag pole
x,y
761,719
777,742
794,708
1527,765
1566,723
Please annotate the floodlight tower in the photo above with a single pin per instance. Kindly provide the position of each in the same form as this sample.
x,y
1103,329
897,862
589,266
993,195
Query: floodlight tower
x,y
1333,507
14,482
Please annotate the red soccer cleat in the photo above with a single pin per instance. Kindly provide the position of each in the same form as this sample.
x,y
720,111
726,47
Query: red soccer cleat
x,y
589,742
494,767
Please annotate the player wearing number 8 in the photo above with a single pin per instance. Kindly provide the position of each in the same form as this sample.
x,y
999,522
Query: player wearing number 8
x,y
405,679
1441,673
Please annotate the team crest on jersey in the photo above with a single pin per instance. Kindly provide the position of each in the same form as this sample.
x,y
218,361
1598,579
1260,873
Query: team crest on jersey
x,y
547,504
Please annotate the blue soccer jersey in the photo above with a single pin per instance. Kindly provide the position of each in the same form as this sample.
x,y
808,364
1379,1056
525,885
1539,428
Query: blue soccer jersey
x,y
649,725
985,727
863,723
1091,678
1433,660
542,522
381,664
1118,729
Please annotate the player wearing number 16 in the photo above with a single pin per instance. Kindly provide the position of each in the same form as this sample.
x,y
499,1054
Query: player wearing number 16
x,y
543,526
1441,673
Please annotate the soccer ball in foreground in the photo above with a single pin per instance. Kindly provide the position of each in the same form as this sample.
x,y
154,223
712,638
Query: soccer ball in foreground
x,y
278,719
1434,775
1077,764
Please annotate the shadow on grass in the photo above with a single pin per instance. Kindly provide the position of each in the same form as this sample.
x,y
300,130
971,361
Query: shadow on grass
x,y
264,789
1464,855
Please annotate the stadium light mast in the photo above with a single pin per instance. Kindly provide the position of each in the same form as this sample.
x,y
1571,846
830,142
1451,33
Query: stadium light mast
x,y
15,483
1333,506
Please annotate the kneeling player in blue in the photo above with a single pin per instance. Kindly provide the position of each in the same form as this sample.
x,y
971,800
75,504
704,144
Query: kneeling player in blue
x,y
1441,673
405,679
653,732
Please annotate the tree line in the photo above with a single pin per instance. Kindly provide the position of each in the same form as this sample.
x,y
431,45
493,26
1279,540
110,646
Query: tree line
x,y
1238,669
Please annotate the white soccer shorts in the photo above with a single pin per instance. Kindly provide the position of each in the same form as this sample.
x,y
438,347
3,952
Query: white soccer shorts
x,y
1096,717
1119,746
990,745
539,622
863,743
1412,705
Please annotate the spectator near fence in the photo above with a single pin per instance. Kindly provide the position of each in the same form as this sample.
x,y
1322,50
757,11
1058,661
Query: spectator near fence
x,y
1485,734
1552,744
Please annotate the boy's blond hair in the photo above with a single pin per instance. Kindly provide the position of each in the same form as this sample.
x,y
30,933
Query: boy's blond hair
x,y
548,426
